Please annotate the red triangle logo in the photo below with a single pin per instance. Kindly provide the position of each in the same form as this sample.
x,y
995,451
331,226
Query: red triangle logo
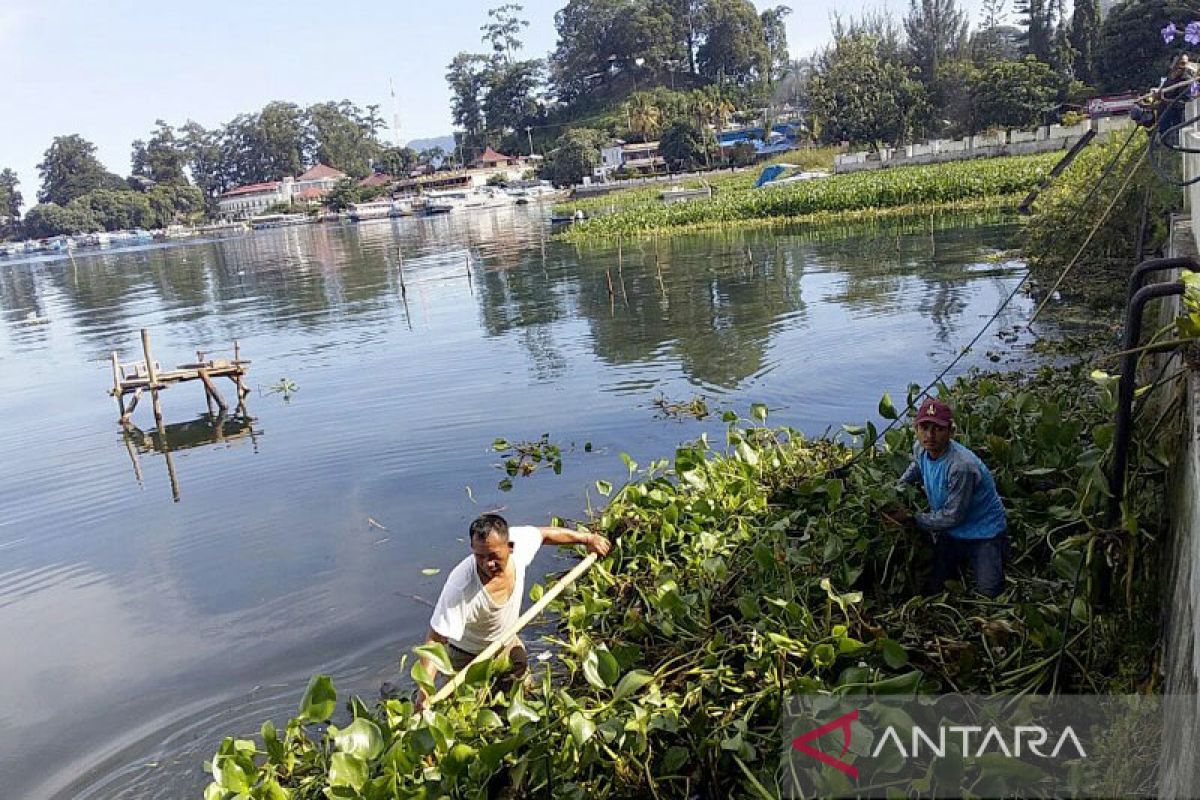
x,y
843,722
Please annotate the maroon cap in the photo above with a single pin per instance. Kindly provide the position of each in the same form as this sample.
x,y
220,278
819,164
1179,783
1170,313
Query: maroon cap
x,y
935,411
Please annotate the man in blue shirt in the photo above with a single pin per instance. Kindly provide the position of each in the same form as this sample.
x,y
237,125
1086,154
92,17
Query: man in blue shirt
x,y
966,518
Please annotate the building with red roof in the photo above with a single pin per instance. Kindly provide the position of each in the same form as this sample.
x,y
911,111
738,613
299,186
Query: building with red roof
x,y
243,202
489,158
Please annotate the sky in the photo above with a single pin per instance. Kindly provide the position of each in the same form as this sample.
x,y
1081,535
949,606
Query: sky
x,y
107,70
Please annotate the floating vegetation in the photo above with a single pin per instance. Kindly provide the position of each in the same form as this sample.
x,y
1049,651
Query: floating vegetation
x,y
522,459
746,572
285,387
961,183
696,408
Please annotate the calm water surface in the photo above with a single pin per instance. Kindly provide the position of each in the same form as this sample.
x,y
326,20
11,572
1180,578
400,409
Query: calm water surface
x,y
151,601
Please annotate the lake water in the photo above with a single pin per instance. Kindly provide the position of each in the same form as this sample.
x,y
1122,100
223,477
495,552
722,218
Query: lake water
x,y
152,602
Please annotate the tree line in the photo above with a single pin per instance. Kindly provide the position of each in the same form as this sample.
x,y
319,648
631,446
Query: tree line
x,y
176,174
640,69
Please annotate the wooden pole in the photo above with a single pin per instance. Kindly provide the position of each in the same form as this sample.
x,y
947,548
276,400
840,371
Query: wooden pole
x,y
208,395
170,467
152,374
400,256
210,390
237,377
495,647
137,468
621,273
117,391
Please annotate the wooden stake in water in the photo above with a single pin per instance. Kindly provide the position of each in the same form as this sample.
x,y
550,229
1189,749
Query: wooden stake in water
x,y
621,273
400,257
152,375
117,392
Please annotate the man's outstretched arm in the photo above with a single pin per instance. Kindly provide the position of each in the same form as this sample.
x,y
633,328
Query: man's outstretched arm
x,y
594,542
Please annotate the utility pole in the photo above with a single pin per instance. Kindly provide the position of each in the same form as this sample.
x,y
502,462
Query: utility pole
x,y
395,111
529,133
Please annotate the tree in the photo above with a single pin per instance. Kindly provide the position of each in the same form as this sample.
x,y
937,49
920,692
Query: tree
x,y
576,153
1013,94
344,193
172,203
1037,39
742,154
10,198
1132,54
936,31
598,39
1085,38
995,39
397,161
51,219
265,146
860,97
502,32
685,20
950,91
684,145
644,117
734,46
161,159
509,94
879,25
467,80
70,169
775,38
344,136
115,210
433,156
204,152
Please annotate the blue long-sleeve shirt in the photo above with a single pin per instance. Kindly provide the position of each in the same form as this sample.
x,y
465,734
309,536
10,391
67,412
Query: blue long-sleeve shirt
x,y
963,501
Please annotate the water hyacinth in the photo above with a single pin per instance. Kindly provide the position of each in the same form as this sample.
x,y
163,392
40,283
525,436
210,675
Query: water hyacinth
x,y
1169,32
874,190
1191,34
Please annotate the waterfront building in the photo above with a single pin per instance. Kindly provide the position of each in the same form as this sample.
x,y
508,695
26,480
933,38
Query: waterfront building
x,y
642,157
244,202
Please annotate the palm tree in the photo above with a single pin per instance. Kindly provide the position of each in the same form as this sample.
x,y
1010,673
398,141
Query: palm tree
x,y
643,116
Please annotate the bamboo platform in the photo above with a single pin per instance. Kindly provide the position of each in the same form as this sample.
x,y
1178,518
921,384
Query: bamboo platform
x,y
138,377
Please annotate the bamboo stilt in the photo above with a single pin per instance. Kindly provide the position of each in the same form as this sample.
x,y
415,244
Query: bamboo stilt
x,y
210,390
237,360
400,256
152,374
116,369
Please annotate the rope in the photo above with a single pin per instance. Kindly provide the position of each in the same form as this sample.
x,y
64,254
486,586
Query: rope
x,y
1090,235
911,405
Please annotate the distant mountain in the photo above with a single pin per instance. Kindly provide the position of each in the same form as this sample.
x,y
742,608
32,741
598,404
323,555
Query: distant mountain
x,y
444,142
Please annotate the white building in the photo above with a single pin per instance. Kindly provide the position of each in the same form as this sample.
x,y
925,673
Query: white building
x,y
641,157
244,202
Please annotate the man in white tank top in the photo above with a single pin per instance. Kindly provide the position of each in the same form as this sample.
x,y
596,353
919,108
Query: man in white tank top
x,y
482,595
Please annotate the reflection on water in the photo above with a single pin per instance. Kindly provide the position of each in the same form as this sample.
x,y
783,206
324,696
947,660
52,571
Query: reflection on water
x,y
148,628
205,430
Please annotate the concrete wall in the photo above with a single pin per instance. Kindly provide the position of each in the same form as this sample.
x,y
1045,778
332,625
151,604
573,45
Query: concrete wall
x,y
1181,592
1000,143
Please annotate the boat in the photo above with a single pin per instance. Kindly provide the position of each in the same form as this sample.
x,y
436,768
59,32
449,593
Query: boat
x,y
682,194
266,221
539,192
223,229
776,175
378,209
567,219
467,200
